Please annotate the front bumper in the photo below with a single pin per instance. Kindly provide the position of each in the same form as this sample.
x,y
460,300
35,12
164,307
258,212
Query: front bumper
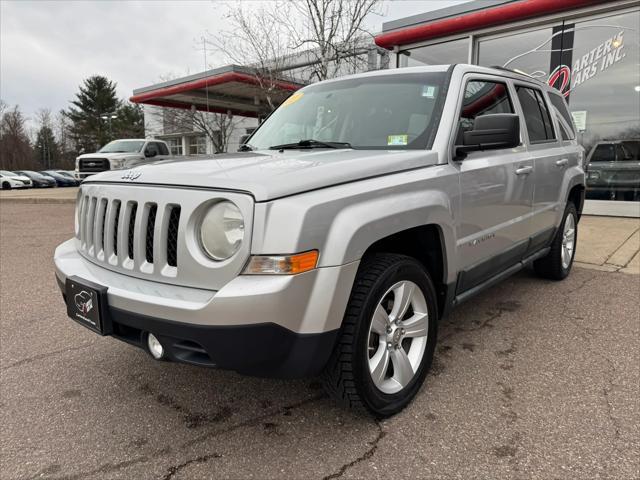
x,y
282,326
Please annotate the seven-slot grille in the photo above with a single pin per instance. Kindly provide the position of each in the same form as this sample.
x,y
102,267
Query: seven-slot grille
x,y
126,233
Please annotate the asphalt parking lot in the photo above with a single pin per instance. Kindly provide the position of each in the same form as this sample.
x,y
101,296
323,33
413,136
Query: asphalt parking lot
x,y
532,379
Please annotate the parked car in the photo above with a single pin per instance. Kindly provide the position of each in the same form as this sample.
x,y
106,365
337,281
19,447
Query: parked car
x,y
37,179
9,180
67,173
613,170
365,208
121,154
60,179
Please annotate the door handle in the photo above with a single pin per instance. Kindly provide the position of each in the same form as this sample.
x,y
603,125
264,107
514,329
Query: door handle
x,y
524,170
562,163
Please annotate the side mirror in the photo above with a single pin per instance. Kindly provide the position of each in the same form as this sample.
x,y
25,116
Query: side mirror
x,y
491,132
150,153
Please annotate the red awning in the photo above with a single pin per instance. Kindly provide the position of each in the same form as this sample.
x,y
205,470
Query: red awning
x,y
228,89
499,15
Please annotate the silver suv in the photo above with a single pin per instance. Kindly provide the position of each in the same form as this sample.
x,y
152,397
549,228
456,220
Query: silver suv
x,y
360,212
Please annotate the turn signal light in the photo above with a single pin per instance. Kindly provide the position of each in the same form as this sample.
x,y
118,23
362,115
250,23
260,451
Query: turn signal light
x,y
282,264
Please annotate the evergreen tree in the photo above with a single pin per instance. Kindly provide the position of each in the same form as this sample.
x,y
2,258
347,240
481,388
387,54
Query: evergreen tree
x,y
130,122
46,148
96,98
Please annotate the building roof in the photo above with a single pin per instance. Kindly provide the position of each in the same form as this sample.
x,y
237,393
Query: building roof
x,y
469,17
231,88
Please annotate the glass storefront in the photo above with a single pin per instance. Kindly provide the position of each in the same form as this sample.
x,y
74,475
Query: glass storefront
x,y
455,51
595,63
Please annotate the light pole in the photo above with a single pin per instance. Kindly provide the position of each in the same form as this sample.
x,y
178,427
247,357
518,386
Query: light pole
x,y
109,117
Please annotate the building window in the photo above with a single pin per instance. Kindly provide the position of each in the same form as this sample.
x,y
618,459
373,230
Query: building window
x,y
175,145
197,145
528,52
604,97
455,51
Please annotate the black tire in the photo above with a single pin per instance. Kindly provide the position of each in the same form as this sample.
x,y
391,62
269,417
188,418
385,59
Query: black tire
x,y
346,376
6,186
551,266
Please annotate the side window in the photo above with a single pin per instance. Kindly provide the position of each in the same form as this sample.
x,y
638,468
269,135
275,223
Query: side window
x,y
162,148
536,115
482,97
151,147
604,153
566,126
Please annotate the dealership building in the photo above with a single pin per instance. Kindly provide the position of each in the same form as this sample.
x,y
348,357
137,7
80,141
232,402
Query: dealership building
x,y
587,49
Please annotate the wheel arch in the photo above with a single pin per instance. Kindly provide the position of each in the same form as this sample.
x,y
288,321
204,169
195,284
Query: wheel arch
x,y
426,244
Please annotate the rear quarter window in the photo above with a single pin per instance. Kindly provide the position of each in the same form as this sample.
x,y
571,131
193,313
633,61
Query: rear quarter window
x,y
536,114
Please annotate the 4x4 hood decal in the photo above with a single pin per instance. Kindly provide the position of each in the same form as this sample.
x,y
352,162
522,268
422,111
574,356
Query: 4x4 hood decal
x,y
269,175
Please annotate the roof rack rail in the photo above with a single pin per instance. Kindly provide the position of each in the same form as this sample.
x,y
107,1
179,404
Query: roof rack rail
x,y
518,72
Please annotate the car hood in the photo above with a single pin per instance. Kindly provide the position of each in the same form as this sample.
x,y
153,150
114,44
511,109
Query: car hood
x,y
22,178
272,174
109,155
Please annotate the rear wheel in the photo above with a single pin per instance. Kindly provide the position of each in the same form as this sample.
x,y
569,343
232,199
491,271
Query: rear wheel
x,y
388,336
556,265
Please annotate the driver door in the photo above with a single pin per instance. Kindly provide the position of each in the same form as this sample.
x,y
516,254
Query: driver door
x,y
494,223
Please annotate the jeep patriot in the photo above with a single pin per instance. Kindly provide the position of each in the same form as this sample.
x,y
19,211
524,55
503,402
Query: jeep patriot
x,y
350,222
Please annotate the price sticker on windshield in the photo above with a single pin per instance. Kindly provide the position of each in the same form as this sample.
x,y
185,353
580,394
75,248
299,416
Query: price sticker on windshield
x,y
293,99
397,140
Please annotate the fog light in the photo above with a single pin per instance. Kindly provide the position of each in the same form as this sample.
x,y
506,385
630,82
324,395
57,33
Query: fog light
x,y
155,347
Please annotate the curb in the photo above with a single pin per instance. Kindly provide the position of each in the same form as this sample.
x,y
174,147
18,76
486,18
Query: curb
x,y
39,200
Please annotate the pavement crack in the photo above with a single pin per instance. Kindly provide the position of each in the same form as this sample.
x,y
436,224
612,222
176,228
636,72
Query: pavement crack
x,y
171,471
365,456
41,356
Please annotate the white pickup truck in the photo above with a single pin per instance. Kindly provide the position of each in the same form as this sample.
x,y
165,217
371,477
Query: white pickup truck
x,y
121,154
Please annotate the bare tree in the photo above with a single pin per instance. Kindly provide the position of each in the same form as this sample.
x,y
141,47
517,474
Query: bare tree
x,y
314,38
15,149
332,32
260,39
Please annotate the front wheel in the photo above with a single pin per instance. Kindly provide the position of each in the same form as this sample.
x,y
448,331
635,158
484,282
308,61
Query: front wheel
x,y
388,336
556,265
6,186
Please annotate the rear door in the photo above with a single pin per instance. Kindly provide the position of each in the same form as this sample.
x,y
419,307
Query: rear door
x,y
496,189
550,161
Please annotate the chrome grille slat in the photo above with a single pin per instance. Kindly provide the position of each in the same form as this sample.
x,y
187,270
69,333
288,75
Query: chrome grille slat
x,y
89,222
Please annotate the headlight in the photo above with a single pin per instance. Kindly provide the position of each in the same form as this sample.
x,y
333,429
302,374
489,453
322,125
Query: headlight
x,y
222,231
116,163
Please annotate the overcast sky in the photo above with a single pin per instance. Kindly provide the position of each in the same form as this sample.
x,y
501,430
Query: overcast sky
x,y
48,47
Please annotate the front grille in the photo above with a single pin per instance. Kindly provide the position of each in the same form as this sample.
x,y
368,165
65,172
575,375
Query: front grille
x,y
107,225
93,165
148,232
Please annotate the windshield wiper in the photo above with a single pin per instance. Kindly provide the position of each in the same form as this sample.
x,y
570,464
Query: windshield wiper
x,y
310,144
245,147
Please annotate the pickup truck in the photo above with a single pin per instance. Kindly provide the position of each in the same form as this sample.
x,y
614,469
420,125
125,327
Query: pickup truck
x,y
119,155
613,170
357,215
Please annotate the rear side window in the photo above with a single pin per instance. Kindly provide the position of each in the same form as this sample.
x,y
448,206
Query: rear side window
x,y
482,97
162,148
564,117
536,115
604,153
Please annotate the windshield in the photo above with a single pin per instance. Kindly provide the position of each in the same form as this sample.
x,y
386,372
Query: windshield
x,y
372,112
6,173
122,146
